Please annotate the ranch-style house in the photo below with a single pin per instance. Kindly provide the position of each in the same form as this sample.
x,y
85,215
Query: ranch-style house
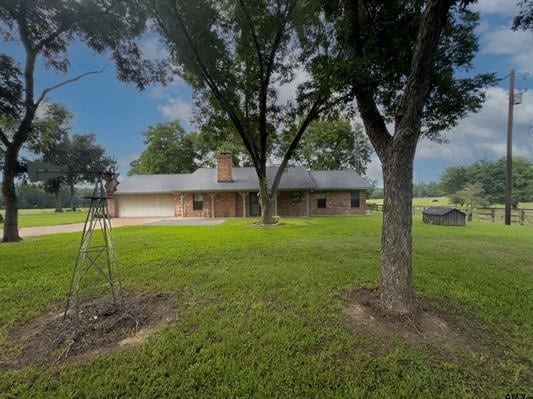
x,y
228,191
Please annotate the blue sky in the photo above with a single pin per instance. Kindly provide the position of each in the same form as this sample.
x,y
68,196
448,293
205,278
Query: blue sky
x,y
118,113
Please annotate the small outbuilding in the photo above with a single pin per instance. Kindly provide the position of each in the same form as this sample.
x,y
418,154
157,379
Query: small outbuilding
x,y
444,216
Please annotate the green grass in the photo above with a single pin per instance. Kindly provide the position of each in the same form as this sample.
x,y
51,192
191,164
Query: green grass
x,y
262,312
47,217
419,201
443,201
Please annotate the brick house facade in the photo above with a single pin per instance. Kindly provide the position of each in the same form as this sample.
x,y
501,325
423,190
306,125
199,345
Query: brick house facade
x,y
227,192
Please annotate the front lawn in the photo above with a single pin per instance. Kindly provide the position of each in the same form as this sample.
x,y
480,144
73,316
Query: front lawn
x,y
262,312
47,217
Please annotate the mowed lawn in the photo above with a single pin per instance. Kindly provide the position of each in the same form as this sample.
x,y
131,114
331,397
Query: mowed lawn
x,y
47,217
444,201
262,312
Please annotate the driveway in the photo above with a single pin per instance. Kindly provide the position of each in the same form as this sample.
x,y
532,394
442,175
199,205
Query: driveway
x,y
117,222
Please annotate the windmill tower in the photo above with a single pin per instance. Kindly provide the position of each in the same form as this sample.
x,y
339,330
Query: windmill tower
x,y
96,250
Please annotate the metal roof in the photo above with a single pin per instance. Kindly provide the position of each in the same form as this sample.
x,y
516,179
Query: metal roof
x,y
244,179
440,211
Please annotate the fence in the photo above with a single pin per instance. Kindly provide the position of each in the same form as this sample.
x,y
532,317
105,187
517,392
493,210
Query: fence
x,y
523,216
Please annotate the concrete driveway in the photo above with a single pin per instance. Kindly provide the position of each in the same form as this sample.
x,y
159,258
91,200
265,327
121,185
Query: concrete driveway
x,y
117,222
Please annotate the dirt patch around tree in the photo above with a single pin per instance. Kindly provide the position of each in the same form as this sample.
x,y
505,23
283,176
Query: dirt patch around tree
x,y
101,328
428,326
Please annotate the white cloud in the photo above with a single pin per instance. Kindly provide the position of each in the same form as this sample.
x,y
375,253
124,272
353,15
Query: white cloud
x,y
124,162
153,49
517,46
499,7
373,170
177,108
483,135
42,110
287,92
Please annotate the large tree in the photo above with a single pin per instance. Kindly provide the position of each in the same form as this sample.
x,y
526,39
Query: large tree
x,y
85,158
169,149
400,62
237,56
332,144
44,29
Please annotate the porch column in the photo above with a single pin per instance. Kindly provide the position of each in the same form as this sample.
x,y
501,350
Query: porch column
x,y
212,195
182,205
307,203
243,196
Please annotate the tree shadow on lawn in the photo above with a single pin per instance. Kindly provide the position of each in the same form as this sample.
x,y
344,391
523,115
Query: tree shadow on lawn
x,y
102,328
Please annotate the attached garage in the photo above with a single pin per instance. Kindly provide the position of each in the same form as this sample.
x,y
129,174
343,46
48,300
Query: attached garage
x,y
145,205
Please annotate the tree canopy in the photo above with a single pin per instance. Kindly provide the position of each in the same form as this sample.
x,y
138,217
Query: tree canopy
x,y
406,64
524,20
44,30
331,145
169,149
490,176
78,153
237,56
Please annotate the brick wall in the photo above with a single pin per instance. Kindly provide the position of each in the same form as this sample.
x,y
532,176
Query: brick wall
x,y
338,203
225,205
188,206
230,204
289,206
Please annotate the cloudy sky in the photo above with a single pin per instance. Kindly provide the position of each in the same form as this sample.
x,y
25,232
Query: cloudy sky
x,y
118,113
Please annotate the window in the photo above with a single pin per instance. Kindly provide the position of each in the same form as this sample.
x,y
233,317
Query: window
x,y
355,199
197,202
296,196
321,199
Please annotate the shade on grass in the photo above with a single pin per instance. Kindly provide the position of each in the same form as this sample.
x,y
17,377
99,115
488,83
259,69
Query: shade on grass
x,y
262,311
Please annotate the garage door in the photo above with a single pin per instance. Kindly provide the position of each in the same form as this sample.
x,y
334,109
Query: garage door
x,y
153,205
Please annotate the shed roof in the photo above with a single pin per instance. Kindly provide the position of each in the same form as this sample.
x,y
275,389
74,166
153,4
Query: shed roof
x,y
440,211
244,179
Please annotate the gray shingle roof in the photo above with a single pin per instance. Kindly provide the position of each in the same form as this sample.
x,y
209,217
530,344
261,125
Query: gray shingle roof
x,y
337,179
244,179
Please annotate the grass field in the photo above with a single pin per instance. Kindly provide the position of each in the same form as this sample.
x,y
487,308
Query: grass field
x,y
262,312
47,217
443,201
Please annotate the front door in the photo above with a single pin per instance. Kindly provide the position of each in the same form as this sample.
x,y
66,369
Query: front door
x,y
255,208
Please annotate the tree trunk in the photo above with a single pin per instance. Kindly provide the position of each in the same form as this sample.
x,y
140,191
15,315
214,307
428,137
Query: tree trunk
x,y
11,232
266,203
57,200
397,295
72,203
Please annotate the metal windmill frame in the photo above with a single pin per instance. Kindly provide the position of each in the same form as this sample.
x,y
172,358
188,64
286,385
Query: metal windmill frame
x,y
102,257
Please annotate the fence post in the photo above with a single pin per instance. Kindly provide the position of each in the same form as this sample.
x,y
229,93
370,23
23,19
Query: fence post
x,y
522,216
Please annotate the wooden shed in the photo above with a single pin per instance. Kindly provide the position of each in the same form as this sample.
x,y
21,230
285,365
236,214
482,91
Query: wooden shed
x,y
444,216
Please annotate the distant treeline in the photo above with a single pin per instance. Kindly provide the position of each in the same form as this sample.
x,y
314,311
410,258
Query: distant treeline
x,y
431,189
480,183
34,196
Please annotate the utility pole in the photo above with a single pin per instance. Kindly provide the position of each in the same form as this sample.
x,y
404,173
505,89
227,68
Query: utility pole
x,y
509,169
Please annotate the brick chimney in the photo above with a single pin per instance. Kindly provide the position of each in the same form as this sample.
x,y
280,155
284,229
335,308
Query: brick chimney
x,y
224,161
